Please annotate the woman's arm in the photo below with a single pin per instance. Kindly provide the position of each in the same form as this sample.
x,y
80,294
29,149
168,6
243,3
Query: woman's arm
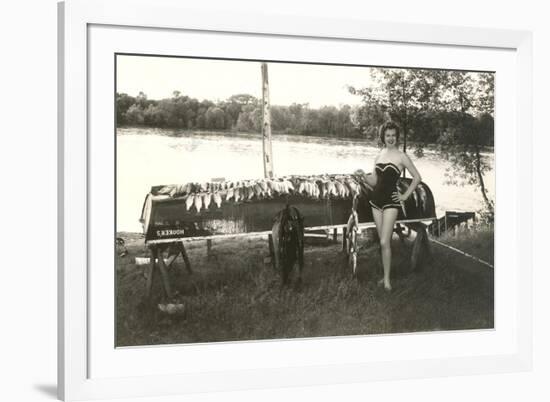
x,y
372,179
416,178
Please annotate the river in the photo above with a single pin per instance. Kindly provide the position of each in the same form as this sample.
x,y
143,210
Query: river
x,y
148,157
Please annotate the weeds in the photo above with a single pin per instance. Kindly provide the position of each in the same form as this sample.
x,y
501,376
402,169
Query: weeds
x,y
234,296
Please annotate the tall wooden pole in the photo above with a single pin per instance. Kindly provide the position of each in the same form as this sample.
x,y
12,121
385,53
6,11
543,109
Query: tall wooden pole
x,y
266,126
404,147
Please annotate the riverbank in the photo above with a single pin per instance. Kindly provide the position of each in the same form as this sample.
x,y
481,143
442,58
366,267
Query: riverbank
x,y
144,130
235,295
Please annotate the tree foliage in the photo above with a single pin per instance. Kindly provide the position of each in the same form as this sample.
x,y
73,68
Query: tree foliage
x,y
452,109
241,112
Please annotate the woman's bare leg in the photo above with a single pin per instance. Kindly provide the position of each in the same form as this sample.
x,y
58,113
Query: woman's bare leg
x,y
389,216
377,215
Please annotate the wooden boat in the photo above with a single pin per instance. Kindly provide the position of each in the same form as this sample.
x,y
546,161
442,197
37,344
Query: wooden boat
x,y
169,212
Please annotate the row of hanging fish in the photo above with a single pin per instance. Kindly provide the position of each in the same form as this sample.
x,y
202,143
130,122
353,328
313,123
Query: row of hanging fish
x,y
419,196
202,195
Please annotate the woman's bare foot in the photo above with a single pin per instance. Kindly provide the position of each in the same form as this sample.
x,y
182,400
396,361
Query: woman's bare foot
x,y
387,286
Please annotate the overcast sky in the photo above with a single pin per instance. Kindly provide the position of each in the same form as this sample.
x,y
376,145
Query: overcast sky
x,y
289,83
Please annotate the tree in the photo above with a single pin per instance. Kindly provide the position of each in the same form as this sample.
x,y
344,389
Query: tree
x,y
214,118
234,105
123,103
368,117
451,108
134,115
281,119
460,143
250,119
401,95
473,96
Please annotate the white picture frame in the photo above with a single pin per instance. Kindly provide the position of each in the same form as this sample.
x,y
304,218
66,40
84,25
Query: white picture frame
x,y
76,17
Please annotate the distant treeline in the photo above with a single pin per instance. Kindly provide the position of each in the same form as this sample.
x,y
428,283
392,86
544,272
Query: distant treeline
x,y
449,109
241,113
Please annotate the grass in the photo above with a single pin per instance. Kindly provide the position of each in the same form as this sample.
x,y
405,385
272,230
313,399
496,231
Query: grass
x,y
480,245
234,294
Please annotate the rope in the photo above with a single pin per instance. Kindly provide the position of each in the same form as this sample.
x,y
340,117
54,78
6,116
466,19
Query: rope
x,y
463,253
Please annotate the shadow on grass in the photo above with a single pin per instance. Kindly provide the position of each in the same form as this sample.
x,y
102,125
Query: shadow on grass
x,y
233,296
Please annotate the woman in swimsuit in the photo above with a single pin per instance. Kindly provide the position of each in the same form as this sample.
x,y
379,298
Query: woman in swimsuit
x,y
386,199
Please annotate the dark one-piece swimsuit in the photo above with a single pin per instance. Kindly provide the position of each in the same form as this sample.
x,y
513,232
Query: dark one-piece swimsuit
x,y
386,185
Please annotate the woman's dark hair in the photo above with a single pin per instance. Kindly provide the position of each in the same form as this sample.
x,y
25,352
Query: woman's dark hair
x,y
389,125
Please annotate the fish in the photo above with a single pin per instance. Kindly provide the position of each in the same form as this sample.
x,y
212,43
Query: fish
x,y
188,188
403,208
339,188
310,189
258,190
289,185
189,201
305,187
323,189
263,185
173,191
206,199
218,199
316,191
230,194
301,188
345,187
295,181
401,187
423,196
165,190
415,197
352,186
237,193
198,202
356,188
331,188
359,188
251,191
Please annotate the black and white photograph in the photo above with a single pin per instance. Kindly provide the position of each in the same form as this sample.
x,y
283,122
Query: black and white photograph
x,y
269,200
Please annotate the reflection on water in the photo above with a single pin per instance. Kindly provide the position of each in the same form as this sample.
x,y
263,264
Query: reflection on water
x,y
147,157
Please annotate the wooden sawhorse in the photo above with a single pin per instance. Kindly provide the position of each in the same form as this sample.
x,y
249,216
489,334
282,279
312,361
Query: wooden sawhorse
x,y
174,249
